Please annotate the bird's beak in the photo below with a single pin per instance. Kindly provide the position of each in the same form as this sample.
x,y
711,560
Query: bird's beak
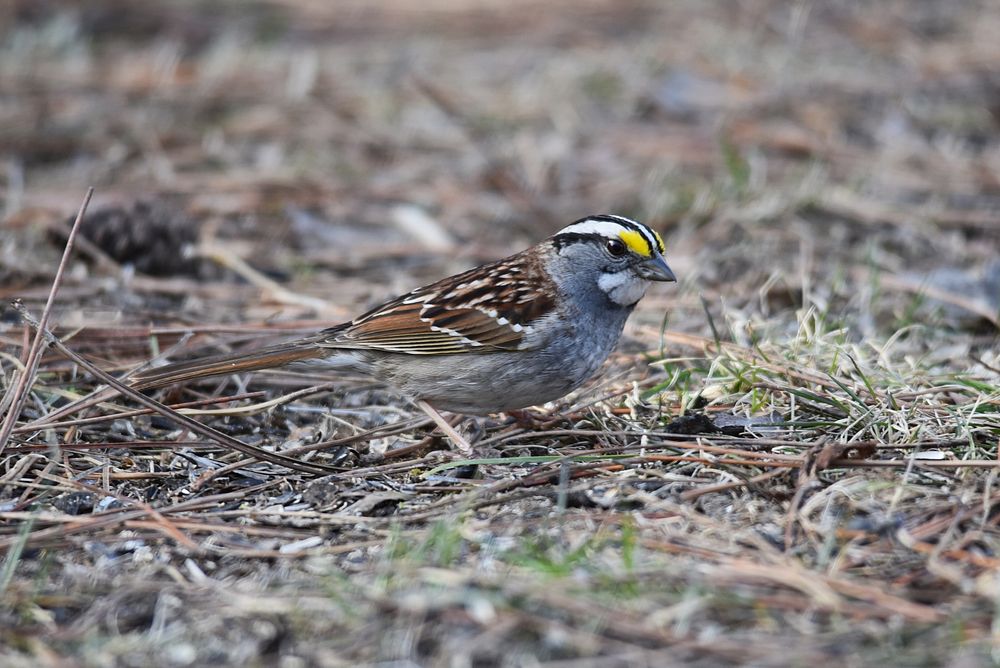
x,y
655,269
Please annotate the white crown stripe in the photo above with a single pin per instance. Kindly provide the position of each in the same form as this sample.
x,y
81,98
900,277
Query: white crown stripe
x,y
612,229
604,228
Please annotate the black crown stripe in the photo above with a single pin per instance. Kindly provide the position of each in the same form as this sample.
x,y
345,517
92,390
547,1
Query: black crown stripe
x,y
628,224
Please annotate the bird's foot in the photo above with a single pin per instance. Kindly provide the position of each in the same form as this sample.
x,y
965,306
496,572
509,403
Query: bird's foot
x,y
532,421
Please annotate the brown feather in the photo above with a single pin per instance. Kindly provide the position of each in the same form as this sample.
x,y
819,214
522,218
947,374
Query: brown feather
x,y
483,310
487,309
218,365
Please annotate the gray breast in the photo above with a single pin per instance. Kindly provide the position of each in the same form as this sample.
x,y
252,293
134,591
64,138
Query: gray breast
x,y
494,382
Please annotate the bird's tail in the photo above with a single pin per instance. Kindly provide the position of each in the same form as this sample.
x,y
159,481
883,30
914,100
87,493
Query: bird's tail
x,y
219,365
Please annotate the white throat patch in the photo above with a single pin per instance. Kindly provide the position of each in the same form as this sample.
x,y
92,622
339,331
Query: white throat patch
x,y
623,288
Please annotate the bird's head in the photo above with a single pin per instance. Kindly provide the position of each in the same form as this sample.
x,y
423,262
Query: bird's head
x,y
620,254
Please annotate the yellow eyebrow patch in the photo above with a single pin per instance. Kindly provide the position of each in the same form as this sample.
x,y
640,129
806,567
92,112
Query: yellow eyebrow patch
x,y
636,242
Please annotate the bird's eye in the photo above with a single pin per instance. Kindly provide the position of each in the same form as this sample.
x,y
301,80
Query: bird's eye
x,y
616,247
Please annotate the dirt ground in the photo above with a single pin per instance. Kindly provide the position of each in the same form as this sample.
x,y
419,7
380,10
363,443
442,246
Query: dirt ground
x,y
791,458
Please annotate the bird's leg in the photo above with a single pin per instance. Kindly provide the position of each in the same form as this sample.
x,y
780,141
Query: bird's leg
x,y
456,438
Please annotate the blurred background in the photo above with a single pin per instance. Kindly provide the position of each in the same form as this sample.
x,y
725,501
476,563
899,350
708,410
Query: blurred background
x,y
350,149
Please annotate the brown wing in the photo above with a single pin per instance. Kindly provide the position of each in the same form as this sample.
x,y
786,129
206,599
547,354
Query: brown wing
x,y
488,309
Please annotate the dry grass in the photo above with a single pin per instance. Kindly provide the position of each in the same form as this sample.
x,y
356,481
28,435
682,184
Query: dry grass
x,y
792,459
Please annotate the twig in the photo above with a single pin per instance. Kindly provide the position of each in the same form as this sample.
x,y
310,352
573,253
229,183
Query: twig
x,y
463,445
96,419
169,413
692,494
93,399
116,517
385,430
27,378
238,265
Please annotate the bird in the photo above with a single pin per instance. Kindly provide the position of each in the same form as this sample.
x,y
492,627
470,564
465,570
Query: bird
x,y
501,337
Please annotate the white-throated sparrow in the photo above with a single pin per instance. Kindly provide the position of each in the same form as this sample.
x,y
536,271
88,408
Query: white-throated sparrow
x,y
503,336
